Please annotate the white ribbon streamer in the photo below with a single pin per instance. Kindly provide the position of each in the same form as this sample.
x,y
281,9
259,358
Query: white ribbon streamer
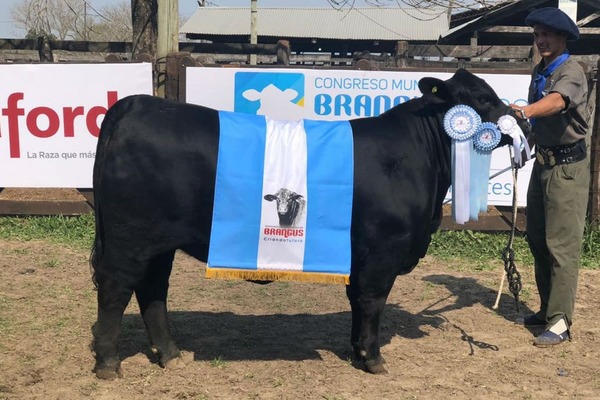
x,y
462,180
509,126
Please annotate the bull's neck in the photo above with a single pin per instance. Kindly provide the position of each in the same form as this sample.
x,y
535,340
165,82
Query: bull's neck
x,y
442,145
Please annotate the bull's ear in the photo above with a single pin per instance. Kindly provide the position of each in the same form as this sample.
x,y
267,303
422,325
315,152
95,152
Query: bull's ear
x,y
434,87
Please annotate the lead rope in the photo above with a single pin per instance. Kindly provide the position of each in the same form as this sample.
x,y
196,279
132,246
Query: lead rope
x,y
508,254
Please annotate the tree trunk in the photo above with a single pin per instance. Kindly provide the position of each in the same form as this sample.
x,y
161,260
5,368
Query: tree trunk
x,y
144,18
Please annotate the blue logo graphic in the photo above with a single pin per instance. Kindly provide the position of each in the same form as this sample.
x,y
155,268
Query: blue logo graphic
x,y
259,92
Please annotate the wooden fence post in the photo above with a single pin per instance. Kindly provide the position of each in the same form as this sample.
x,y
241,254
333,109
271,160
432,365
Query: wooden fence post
x,y
172,74
44,50
363,60
186,61
113,58
401,53
283,52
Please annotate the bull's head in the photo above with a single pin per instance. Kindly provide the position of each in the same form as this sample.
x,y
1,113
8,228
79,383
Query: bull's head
x,y
290,206
468,89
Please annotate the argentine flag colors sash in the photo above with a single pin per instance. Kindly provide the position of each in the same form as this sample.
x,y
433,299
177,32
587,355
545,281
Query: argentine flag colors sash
x,y
283,200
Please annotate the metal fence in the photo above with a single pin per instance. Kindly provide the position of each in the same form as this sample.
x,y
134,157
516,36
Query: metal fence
x,y
170,79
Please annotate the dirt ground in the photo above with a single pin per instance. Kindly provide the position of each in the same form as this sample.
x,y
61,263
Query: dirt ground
x,y
440,337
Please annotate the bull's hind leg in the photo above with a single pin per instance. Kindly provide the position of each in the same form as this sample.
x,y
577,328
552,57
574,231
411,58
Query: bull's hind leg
x,y
113,298
151,295
367,307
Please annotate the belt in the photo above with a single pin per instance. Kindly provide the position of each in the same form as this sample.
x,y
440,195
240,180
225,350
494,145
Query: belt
x,y
565,154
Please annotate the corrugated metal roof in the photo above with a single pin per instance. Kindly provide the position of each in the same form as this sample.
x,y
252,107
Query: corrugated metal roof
x,y
377,23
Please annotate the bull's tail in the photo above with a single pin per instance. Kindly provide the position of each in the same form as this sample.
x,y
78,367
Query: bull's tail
x,y
96,254
108,127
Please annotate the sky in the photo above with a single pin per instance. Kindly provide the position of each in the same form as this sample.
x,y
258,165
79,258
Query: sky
x,y
8,29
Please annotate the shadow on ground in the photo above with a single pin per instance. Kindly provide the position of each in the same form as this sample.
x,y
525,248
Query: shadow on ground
x,y
295,337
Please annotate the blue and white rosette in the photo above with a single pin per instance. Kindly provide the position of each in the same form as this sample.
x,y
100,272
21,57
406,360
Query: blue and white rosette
x,y
485,141
461,122
487,137
509,126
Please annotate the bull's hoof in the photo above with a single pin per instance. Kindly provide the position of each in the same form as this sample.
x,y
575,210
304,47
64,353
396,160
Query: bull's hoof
x,y
375,366
174,363
108,373
169,358
372,366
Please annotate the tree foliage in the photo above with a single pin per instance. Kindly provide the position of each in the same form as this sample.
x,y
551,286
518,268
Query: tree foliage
x,y
420,4
79,20
114,23
74,20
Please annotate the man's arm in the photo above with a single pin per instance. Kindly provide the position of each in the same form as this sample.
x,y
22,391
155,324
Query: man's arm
x,y
548,105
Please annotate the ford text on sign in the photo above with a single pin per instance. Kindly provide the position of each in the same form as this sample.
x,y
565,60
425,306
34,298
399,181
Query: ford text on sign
x,y
50,118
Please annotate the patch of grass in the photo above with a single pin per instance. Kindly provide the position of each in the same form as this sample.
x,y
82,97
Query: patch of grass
x,y
69,231
21,251
477,247
51,263
591,248
6,324
218,362
426,294
525,294
277,382
482,250
88,389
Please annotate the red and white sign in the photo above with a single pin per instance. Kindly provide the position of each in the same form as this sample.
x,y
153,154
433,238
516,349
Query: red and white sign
x,y
50,117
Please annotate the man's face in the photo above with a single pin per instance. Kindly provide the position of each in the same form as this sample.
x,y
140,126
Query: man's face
x,y
550,43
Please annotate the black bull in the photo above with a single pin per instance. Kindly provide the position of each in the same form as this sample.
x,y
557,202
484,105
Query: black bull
x,y
154,181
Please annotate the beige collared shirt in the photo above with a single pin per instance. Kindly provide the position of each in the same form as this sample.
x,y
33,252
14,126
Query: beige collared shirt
x,y
574,122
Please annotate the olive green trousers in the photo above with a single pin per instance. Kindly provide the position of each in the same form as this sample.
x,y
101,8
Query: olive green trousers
x,y
557,201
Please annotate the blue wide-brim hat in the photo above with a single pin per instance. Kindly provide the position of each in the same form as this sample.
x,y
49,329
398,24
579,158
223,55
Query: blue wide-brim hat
x,y
555,19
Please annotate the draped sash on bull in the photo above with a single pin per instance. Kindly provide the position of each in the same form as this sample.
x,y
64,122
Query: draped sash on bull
x,y
283,200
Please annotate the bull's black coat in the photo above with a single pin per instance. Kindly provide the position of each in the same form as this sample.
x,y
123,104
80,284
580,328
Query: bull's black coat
x,y
154,182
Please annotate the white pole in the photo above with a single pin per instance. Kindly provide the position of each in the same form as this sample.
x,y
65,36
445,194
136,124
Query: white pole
x,y
253,32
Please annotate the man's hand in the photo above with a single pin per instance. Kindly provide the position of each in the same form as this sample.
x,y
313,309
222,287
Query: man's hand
x,y
519,111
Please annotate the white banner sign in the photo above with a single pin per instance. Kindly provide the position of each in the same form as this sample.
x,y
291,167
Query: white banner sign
x,y
342,95
50,116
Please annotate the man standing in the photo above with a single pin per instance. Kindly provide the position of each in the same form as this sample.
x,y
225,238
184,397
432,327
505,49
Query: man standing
x,y
558,190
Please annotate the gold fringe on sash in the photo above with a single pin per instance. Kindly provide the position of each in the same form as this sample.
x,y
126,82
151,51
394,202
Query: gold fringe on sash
x,y
272,275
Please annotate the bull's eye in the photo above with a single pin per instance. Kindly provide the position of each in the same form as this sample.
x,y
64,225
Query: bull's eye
x,y
483,100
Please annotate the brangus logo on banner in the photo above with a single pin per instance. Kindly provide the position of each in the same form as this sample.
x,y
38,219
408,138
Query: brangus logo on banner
x,y
44,122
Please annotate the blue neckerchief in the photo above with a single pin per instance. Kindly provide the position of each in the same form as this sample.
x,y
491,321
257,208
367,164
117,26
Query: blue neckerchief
x,y
540,79
539,83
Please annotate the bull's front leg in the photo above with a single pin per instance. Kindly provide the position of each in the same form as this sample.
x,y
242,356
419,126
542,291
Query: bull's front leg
x,y
112,301
367,308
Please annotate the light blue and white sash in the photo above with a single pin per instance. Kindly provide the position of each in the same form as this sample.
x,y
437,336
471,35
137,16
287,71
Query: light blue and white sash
x,y
283,200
